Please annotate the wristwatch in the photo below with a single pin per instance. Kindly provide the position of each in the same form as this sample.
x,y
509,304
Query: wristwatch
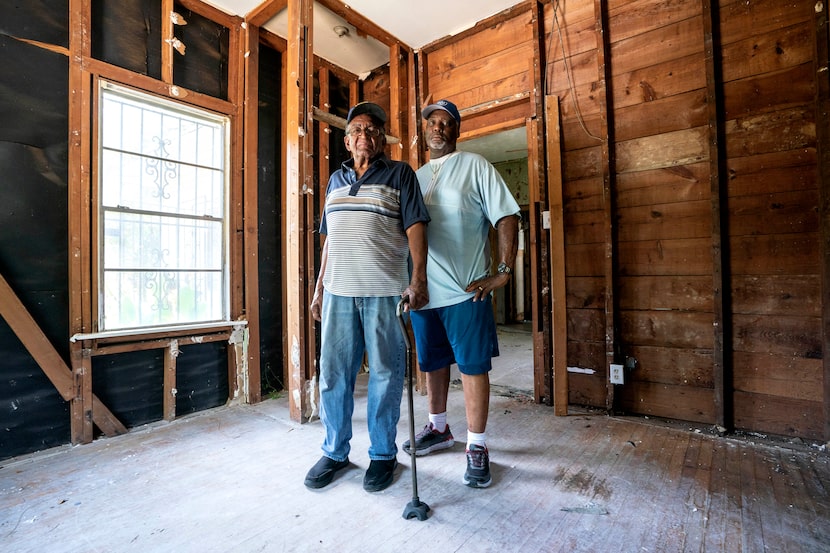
x,y
504,269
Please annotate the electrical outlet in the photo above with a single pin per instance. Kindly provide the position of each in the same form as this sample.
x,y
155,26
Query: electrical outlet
x,y
617,374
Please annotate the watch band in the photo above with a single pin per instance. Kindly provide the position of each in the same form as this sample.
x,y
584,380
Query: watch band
x,y
504,269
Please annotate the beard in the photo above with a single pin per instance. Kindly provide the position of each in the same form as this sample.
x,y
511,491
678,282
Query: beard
x,y
437,142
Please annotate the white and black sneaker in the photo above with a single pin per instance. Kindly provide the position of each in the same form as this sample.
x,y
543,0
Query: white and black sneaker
x,y
429,440
477,474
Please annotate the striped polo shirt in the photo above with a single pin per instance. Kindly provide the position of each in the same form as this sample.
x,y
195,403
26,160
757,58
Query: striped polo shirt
x,y
364,222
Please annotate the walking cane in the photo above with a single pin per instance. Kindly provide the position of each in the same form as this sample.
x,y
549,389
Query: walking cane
x,y
415,508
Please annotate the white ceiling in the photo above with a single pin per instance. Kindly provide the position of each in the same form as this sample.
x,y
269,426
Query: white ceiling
x,y
415,23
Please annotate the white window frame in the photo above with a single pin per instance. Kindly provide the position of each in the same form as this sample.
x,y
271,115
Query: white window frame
x,y
190,231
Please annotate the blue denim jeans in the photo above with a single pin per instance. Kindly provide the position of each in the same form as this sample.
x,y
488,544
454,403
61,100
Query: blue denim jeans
x,y
351,326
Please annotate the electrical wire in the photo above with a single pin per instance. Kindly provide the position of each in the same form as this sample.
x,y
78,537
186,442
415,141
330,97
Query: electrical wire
x,y
571,86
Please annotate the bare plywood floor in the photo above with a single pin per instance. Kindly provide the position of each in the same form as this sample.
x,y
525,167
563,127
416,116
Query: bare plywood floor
x,y
232,480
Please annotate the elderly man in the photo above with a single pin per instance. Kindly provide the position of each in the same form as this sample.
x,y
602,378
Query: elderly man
x,y
375,221
465,197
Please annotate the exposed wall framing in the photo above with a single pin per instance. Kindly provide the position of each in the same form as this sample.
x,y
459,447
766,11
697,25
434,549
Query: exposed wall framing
x,y
695,230
822,64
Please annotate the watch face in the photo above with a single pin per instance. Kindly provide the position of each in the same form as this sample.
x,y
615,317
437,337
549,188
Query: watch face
x,y
503,268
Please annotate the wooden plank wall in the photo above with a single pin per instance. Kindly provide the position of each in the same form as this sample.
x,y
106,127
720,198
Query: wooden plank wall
x,y
490,62
573,77
664,213
716,261
769,92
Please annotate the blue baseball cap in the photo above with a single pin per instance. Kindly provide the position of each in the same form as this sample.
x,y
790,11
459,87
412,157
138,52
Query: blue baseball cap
x,y
445,105
367,108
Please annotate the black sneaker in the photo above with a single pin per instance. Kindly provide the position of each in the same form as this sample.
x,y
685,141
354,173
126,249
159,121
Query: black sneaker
x,y
322,473
379,475
477,474
429,440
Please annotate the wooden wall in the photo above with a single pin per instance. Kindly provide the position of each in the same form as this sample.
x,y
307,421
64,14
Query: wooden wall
x,y
690,163
773,199
490,62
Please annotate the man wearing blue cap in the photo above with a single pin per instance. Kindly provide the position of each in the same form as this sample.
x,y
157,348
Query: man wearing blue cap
x,y
374,220
466,197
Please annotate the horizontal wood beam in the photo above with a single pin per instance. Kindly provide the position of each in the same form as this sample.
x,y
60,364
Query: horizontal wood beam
x,y
492,105
260,15
361,23
340,123
154,86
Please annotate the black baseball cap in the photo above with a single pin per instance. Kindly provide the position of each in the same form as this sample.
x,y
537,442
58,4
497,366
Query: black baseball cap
x,y
367,108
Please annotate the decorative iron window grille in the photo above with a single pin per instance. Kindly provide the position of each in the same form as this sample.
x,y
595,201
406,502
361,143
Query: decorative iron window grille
x,y
163,189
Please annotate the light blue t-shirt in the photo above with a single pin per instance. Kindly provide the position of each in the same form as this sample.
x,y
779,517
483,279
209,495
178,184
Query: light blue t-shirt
x,y
465,197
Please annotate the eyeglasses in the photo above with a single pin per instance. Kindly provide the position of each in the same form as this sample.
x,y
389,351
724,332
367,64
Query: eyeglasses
x,y
370,132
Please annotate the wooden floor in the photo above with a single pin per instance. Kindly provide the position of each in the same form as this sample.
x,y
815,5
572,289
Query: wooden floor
x,y
231,480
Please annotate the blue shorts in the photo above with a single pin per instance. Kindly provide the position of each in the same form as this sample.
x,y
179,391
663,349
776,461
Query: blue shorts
x,y
464,333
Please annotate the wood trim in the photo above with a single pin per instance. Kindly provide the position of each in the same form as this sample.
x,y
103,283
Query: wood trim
x,y
604,99
497,104
150,85
542,382
271,40
414,113
167,37
95,349
354,92
492,129
299,88
307,271
78,216
260,15
540,262
339,72
249,122
823,180
556,206
237,50
216,15
361,23
721,368
171,352
420,157
397,100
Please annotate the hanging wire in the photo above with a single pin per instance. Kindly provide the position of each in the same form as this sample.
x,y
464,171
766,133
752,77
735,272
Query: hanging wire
x,y
571,86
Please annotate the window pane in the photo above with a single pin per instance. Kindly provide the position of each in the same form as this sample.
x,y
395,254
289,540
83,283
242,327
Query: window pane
x,y
146,298
163,211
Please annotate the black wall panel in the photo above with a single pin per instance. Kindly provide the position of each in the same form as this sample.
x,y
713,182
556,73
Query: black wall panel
x,y
204,65
127,33
33,416
34,169
131,385
202,377
41,20
33,238
270,201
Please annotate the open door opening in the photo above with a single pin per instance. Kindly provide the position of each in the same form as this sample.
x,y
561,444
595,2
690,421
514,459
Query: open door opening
x,y
513,371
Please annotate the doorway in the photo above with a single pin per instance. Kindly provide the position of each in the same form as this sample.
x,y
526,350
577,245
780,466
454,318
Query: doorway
x,y
513,369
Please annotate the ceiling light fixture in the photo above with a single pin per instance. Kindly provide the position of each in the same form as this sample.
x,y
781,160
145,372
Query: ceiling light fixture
x,y
341,31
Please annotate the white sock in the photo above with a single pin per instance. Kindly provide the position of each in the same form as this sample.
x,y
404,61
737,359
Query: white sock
x,y
477,439
439,421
